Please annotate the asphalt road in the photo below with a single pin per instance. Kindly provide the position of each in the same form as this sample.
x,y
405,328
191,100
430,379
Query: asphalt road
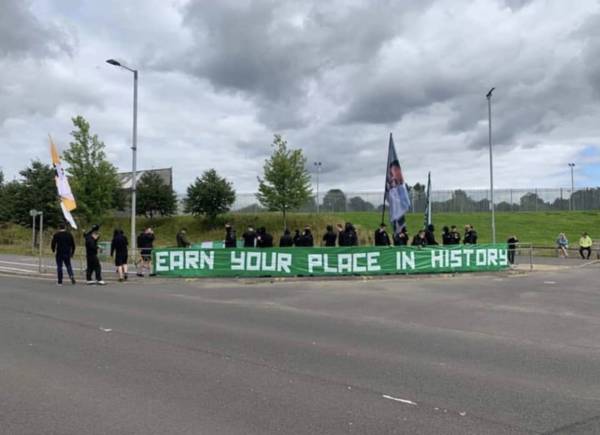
x,y
473,354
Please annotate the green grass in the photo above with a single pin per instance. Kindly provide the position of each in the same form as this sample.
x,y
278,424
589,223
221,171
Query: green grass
x,y
539,228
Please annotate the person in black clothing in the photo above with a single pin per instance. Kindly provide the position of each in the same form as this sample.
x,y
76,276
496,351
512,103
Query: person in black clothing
x,y
118,249
420,239
454,236
286,240
264,239
512,246
230,237
350,236
446,236
306,238
145,243
182,239
430,235
249,237
401,238
381,236
470,235
297,238
63,245
91,253
329,237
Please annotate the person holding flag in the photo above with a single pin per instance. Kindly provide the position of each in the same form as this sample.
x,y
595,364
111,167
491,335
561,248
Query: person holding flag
x,y
396,192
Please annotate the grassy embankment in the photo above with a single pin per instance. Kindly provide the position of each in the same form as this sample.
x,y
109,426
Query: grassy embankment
x,y
539,228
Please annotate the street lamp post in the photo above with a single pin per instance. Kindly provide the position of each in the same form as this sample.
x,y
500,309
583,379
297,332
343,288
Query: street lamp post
x,y
571,205
489,98
133,151
318,165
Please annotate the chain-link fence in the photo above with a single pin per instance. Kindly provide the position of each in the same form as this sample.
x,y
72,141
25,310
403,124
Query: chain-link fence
x,y
459,201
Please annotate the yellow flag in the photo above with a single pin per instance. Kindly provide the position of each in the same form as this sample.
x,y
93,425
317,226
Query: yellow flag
x,y
67,200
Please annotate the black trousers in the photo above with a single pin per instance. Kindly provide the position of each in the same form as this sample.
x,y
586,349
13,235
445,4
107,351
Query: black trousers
x,y
93,266
589,252
511,256
60,260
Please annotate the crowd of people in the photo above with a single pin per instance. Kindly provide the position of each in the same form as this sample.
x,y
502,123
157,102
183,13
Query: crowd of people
x,y
63,244
341,235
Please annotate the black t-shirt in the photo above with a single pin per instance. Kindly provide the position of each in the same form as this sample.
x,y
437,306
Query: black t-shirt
x,y
286,241
329,238
249,238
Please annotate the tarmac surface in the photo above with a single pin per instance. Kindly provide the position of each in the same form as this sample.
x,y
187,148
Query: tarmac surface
x,y
495,353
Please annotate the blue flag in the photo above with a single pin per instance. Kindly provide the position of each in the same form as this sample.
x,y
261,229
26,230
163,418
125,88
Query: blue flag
x,y
396,192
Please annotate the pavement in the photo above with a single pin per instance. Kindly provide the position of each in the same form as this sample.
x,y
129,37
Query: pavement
x,y
492,353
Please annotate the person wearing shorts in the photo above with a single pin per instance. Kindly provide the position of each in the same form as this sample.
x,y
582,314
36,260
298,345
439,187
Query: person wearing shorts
x,y
145,244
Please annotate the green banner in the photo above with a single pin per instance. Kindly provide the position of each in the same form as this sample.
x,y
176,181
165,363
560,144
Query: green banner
x,y
369,260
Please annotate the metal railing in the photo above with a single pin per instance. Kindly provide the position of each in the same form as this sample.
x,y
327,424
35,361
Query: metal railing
x,y
458,201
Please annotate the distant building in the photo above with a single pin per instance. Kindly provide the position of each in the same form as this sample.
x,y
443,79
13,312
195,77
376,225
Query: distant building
x,y
125,177
125,181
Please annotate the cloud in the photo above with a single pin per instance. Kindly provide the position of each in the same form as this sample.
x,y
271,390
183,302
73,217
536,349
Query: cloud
x,y
218,79
23,34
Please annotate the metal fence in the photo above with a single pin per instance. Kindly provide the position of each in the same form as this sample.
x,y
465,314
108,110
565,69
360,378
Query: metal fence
x,y
459,201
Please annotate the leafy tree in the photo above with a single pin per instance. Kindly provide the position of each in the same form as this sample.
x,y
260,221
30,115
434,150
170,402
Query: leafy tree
x,y
93,178
334,200
286,182
210,195
36,190
532,202
358,204
154,196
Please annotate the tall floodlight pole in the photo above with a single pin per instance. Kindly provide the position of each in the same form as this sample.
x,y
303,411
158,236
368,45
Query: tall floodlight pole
x,y
133,151
489,98
572,165
318,166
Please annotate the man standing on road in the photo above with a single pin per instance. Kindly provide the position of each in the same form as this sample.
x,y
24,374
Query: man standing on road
x,y
585,245
512,246
145,243
63,245
91,253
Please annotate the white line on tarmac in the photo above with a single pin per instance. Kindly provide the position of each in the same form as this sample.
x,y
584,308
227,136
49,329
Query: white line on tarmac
x,y
15,269
397,399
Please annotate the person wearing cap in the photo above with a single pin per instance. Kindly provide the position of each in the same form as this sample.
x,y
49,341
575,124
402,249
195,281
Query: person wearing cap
x,y
430,235
381,236
249,237
330,237
230,237
91,255
263,239
63,245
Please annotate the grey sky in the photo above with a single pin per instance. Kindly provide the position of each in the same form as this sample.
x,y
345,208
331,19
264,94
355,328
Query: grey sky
x,y
217,79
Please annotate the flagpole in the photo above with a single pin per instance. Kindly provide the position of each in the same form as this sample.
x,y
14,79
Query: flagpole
x,y
385,181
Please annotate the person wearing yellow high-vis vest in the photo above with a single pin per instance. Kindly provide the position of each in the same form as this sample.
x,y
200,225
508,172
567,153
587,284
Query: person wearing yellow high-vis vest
x,y
585,245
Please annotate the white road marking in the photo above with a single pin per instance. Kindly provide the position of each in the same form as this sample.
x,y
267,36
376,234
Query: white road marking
x,y
549,282
105,329
397,399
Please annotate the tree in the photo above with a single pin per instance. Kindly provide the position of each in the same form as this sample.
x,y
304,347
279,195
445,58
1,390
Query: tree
x,y
36,190
93,178
154,196
358,204
210,195
334,200
286,182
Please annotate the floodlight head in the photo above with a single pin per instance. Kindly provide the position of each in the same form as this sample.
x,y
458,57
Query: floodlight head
x,y
113,62
489,94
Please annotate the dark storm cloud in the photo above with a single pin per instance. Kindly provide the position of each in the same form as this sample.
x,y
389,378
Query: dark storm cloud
x,y
22,34
274,51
